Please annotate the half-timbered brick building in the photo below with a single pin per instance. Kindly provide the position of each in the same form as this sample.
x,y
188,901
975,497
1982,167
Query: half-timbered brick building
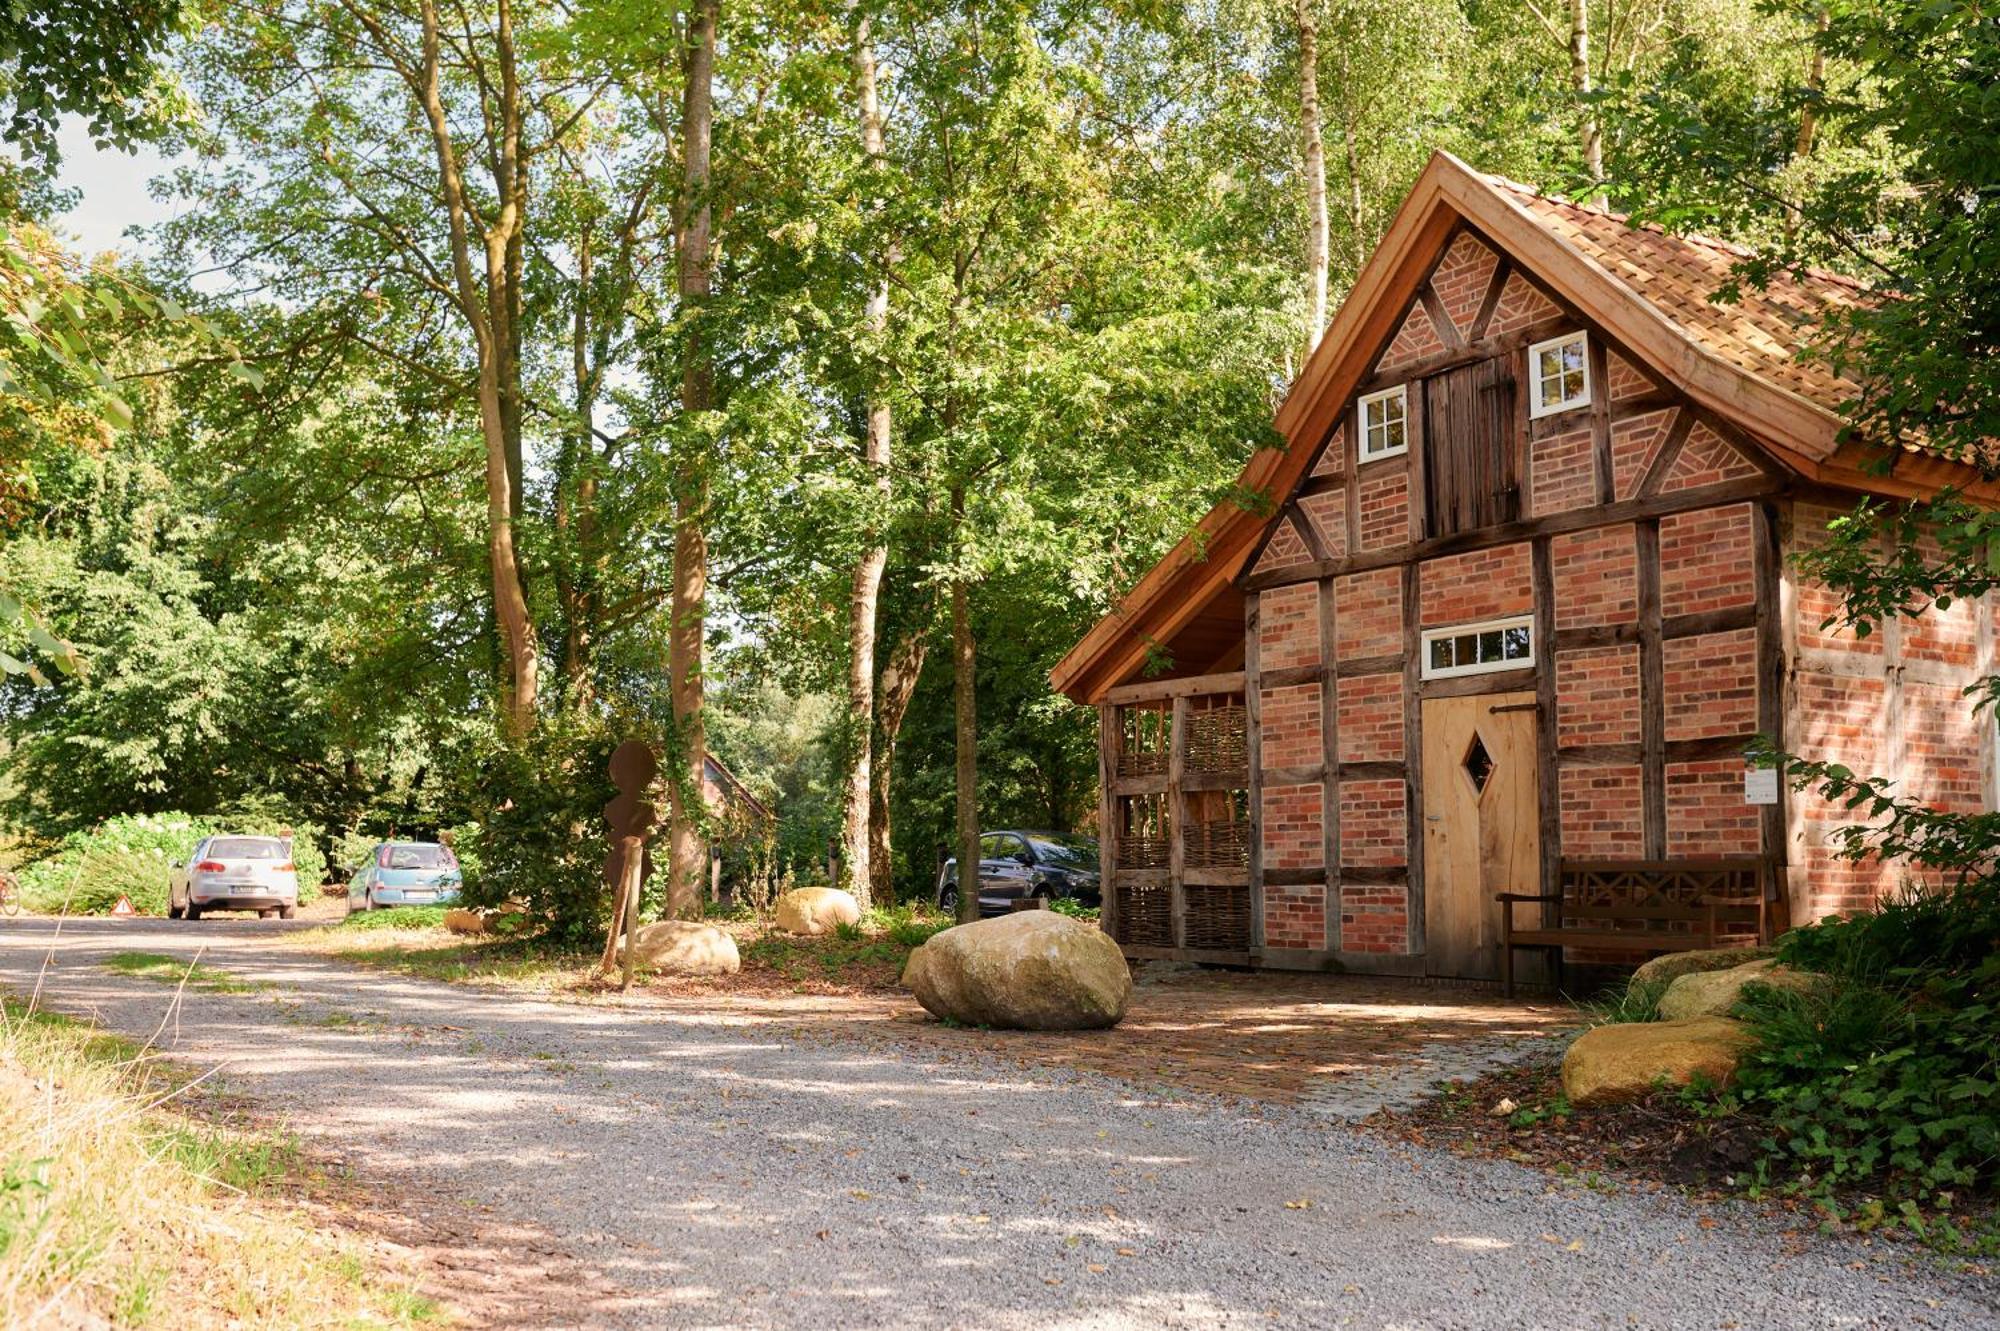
x,y
1518,600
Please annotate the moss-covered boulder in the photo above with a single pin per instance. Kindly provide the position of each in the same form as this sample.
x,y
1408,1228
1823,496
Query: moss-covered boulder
x,y
1716,993
1033,970
1615,1064
687,947
816,910
1664,970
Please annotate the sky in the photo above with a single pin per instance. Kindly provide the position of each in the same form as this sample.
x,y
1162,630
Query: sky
x,y
113,188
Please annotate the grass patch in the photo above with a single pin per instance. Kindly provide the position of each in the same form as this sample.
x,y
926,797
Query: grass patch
x,y
170,970
116,1209
395,917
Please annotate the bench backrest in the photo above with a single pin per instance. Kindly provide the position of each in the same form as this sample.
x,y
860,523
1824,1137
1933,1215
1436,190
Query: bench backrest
x,y
1669,892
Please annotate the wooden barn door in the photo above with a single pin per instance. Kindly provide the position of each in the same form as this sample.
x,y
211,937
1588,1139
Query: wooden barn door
x,y
1481,829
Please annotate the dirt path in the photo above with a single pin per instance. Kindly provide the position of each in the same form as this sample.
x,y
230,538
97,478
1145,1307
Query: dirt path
x,y
585,1165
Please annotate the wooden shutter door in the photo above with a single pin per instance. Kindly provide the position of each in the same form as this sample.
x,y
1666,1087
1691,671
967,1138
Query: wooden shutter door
x,y
1469,470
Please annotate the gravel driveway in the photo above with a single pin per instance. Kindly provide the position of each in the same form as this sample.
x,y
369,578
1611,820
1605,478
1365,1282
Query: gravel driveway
x,y
690,1173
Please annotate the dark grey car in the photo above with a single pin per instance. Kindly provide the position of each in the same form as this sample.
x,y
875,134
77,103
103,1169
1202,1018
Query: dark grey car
x,y
1014,865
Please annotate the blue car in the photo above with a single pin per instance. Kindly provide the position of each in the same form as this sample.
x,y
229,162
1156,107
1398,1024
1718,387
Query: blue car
x,y
405,873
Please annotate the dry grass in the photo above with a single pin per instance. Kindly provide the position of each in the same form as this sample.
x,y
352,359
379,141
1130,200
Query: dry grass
x,y
117,1209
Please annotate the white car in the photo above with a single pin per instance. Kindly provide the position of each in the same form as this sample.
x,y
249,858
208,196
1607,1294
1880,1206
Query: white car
x,y
235,873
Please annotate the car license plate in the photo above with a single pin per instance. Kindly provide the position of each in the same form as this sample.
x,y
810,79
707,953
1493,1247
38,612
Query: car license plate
x,y
242,889
419,896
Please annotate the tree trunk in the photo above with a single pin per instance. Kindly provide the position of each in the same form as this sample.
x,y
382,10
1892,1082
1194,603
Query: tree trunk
x,y
576,497
892,703
687,850
1315,155
1582,84
1802,146
868,569
494,315
966,715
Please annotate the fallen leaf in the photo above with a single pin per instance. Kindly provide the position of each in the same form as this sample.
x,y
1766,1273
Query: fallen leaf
x,y
857,1194
1095,1269
1128,1252
1302,1204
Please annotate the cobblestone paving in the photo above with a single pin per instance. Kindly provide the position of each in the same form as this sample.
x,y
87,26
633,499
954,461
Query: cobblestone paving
x,y
1339,1045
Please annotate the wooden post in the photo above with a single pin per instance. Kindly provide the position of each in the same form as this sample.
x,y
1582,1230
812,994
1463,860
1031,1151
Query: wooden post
x,y
1652,695
1177,736
1416,930
1253,725
1547,735
1329,799
1600,417
634,866
1771,685
1107,813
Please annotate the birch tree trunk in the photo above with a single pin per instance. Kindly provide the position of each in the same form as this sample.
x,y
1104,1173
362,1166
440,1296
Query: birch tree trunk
x,y
865,592
1583,85
892,703
1315,157
687,851
965,715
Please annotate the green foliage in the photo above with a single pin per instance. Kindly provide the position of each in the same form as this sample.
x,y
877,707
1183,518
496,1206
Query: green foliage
x,y
131,856
177,971
539,805
1073,908
1888,1078
1633,1001
395,917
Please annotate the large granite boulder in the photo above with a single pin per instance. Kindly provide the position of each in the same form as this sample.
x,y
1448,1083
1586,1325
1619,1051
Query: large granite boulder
x,y
687,947
1033,970
816,910
1664,970
1714,993
1614,1064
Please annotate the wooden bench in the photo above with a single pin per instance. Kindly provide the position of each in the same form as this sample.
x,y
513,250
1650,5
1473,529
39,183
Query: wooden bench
x,y
1651,906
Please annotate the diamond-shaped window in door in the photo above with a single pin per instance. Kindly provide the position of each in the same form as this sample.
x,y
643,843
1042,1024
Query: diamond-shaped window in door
x,y
1478,764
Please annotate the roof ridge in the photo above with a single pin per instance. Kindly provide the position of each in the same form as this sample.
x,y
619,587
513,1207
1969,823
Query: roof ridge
x,y
1685,237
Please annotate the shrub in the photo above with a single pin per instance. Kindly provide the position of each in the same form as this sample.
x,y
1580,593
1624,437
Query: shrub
x,y
540,826
1888,1077
396,917
1636,1001
1073,908
909,926
131,856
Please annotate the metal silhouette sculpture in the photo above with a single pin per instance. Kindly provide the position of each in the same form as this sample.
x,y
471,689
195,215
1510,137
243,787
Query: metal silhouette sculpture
x,y
630,820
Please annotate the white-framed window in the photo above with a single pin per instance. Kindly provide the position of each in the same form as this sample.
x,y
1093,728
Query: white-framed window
x,y
1475,649
1559,374
1384,427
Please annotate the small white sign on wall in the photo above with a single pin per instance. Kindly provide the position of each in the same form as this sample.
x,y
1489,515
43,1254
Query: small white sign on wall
x,y
1760,785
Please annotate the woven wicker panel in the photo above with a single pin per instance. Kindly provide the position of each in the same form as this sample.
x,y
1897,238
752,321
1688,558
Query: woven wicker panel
x,y
1218,918
1140,851
1218,845
1145,915
1218,740
1141,764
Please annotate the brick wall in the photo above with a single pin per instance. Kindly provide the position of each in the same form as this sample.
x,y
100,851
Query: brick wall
x,y
1635,442
1288,626
1705,560
1601,817
1479,585
1818,602
1291,726
1597,696
1371,718
1373,833
1295,916
1414,340
1460,281
1562,472
1596,577
1941,748
1292,834
1284,550
1841,720
1328,515
1374,918
1705,459
1368,614
1711,685
1384,493
1332,459
1520,305
1624,378
1706,813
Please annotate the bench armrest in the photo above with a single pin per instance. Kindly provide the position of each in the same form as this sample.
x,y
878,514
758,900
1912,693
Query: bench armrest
x,y
1525,896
